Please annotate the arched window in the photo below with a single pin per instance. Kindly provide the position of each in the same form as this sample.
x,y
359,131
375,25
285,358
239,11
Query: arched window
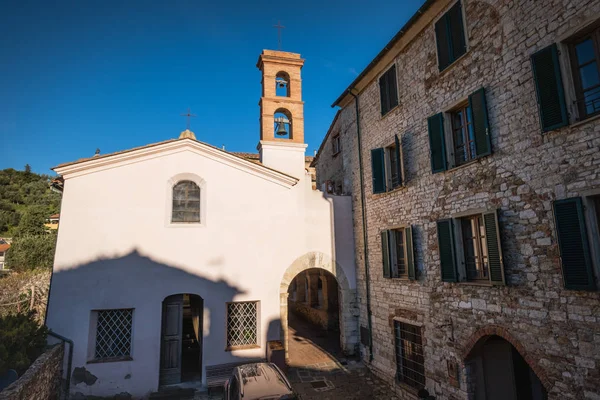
x,y
186,202
282,84
283,124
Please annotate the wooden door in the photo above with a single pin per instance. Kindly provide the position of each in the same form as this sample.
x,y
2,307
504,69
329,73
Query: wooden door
x,y
170,354
197,306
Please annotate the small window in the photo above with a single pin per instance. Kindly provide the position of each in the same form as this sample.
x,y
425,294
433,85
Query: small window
x,y
186,202
464,130
1,254
242,321
282,84
388,90
336,145
584,54
410,362
387,167
462,134
397,251
450,36
113,334
469,249
475,248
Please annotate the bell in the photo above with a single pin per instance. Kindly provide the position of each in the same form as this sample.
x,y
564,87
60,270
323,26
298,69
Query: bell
x,y
281,131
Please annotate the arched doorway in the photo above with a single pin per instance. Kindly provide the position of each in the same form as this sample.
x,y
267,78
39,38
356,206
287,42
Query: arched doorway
x,y
313,318
348,320
499,372
181,339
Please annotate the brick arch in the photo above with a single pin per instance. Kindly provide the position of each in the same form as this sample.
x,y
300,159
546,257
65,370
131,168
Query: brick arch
x,y
495,330
325,262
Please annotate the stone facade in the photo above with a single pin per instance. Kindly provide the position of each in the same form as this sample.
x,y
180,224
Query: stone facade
x,y
556,330
41,381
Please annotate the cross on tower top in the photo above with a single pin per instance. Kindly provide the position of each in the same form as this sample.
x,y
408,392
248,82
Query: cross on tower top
x,y
279,27
188,115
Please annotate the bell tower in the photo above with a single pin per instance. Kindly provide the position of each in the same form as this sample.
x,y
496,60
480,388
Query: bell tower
x,y
281,145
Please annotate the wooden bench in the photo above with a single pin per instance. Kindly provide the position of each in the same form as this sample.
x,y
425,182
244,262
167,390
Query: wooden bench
x,y
217,375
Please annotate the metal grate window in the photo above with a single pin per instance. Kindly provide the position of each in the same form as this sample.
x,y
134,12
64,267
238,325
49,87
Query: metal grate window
x,y
241,324
113,333
410,364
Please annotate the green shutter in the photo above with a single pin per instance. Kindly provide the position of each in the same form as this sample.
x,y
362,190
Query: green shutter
x,y
437,143
481,127
549,88
456,29
378,170
573,244
492,238
410,259
445,232
392,87
443,43
398,161
383,95
385,253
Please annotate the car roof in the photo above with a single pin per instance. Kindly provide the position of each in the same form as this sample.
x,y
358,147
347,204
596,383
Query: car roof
x,y
260,380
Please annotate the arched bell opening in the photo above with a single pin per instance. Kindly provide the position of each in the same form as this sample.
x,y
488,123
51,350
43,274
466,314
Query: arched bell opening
x,y
282,124
282,84
499,372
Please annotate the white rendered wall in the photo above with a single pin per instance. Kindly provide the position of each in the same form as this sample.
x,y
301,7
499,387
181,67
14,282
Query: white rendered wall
x,y
116,249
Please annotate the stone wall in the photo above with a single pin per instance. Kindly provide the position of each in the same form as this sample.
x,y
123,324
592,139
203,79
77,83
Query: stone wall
x,y
556,330
42,381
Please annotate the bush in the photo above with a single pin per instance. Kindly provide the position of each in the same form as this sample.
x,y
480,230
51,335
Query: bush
x,y
22,340
31,251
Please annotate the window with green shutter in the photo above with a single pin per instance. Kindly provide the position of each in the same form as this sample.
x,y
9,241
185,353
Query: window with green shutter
x,y
450,36
388,90
481,126
573,244
397,252
549,88
477,255
378,170
437,143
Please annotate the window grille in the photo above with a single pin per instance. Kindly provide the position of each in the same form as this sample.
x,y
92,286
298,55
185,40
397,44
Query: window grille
x,y
241,324
410,363
113,333
186,202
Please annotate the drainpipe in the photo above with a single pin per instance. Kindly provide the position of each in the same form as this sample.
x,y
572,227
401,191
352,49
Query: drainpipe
x,y
364,224
69,361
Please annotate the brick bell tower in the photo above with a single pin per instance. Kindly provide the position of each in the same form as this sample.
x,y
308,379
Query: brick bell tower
x,y
281,145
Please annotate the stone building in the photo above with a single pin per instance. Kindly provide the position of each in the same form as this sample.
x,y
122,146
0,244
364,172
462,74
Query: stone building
x,y
475,176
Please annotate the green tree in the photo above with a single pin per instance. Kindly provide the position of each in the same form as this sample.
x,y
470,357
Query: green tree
x,y
27,168
30,252
22,340
32,221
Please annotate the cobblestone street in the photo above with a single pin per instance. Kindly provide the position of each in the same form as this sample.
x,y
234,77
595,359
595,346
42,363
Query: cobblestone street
x,y
319,370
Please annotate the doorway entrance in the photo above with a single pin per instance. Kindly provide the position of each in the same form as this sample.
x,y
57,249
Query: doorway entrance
x,y
181,339
313,318
501,373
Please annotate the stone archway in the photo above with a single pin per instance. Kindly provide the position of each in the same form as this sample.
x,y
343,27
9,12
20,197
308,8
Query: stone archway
x,y
347,323
478,339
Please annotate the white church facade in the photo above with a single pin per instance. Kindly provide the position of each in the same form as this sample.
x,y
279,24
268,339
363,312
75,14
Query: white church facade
x,y
178,256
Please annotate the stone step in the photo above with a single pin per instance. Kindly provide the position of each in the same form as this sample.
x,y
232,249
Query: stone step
x,y
173,394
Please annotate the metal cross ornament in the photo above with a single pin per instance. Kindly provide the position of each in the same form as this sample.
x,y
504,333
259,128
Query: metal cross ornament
x,y
188,115
279,27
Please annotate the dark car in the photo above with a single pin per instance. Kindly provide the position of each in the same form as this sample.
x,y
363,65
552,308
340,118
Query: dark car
x,y
258,381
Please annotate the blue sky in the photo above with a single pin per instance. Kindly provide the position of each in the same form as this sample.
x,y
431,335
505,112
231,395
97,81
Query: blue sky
x,y
87,74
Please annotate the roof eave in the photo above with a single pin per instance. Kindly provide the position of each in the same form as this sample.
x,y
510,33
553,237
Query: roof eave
x,y
384,51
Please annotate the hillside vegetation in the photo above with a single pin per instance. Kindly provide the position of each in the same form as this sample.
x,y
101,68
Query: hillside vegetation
x,y
26,200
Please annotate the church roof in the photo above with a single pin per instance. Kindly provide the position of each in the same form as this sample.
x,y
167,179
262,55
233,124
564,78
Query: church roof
x,y
249,157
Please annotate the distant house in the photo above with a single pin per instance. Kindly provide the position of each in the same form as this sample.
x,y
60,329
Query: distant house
x,y
4,246
52,221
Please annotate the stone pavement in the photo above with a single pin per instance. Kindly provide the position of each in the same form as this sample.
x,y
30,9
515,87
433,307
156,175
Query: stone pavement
x,y
318,370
